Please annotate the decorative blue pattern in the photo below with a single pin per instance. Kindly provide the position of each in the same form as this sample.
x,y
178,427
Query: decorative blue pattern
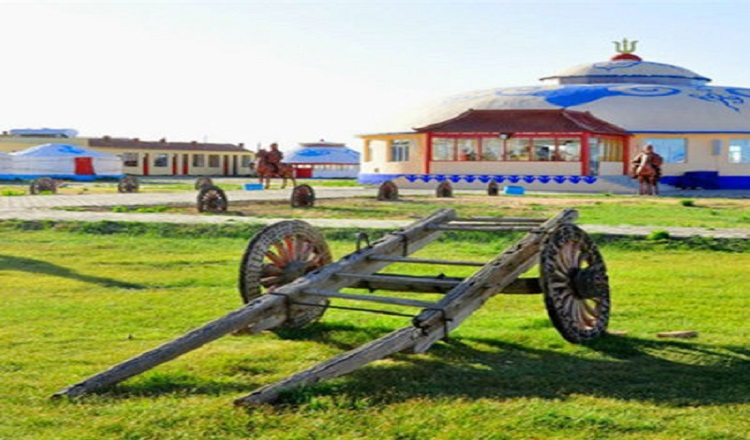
x,y
572,95
484,178
711,94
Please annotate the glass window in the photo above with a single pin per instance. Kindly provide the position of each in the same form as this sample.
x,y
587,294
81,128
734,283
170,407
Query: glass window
x,y
213,161
544,148
400,150
519,148
611,150
130,159
492,149
468,149
672,150
569,149
199,160
161,160
739,151
246,160
442,149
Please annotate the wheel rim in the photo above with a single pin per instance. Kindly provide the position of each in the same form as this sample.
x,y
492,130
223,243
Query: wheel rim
x,y
575,284
279,254
303,196
388,191
212,199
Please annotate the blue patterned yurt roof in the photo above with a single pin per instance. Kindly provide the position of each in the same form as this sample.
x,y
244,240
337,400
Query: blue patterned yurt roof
x,y
322,153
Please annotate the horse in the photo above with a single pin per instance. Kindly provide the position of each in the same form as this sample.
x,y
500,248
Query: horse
x,y
647,174
267,170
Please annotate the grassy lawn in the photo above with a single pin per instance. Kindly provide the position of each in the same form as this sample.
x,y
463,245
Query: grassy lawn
x,y
603,209
77,299
156,184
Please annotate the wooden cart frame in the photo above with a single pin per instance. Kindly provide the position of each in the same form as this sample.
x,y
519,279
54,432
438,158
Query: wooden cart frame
x,y
287,278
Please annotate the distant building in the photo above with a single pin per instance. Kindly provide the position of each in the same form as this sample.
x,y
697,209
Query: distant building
x,y
324,160
146,158
577,131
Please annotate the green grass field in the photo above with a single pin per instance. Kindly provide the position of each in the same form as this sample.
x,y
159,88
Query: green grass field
x,y
77,299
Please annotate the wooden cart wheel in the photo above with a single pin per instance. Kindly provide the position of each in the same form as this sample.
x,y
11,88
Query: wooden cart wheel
x,y
279,254
203,182
388,191
212,199
575,284
444,189
303,196
128,184
42,184
493,189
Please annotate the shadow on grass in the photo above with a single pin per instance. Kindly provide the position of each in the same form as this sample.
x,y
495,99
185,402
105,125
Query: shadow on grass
x,y
663,372
34,266
674,373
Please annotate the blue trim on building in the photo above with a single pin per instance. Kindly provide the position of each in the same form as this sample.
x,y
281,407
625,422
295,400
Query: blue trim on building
x,y
484,178
76,177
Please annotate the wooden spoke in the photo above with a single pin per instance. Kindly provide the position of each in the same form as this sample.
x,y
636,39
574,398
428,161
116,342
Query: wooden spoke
x,y
303,196
388,191
575,284
277,255
212,199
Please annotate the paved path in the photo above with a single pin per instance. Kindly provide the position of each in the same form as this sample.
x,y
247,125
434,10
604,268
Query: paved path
x,y
41,208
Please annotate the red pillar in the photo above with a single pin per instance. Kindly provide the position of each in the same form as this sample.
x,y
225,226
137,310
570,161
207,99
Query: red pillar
x,y
585,154
427,154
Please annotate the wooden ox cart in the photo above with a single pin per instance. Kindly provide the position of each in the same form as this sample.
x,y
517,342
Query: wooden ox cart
x,y
287,279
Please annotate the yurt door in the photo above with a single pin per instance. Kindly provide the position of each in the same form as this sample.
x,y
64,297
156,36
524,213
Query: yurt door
x,y
84,166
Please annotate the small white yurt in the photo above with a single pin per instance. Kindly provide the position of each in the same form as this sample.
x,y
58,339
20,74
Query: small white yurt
x,y
63,161
324,160
6,165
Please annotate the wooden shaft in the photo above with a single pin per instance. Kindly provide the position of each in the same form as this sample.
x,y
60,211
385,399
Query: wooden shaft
x,y
344,363
369,298
267,307
465,298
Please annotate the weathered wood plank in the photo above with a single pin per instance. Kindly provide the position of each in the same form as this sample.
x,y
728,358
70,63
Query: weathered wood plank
x,y
369,298
472,228
501,219
268,308
397,259
465,298
394,342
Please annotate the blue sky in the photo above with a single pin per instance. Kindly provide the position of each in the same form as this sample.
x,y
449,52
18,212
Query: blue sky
x,y
297,71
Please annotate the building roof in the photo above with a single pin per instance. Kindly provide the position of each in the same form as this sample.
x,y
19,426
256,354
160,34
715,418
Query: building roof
x,y
60,151
627,71
323,153
163,145
526,121
636,95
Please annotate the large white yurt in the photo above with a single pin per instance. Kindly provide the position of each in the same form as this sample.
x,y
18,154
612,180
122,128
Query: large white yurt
x,y
6,164
598,116
328,160
64,161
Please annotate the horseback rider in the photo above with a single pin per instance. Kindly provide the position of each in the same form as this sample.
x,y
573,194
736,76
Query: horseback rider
x,y
274,157
647,157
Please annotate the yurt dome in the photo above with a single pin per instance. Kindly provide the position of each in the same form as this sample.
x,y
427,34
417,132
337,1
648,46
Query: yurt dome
x,y
65,161
639,96
6,165
324,160
323,153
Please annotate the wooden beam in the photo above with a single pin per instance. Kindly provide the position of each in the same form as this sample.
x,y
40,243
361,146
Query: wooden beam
x,y
501,219
397,259
470,228
268,308
344,363
465,298
369,298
